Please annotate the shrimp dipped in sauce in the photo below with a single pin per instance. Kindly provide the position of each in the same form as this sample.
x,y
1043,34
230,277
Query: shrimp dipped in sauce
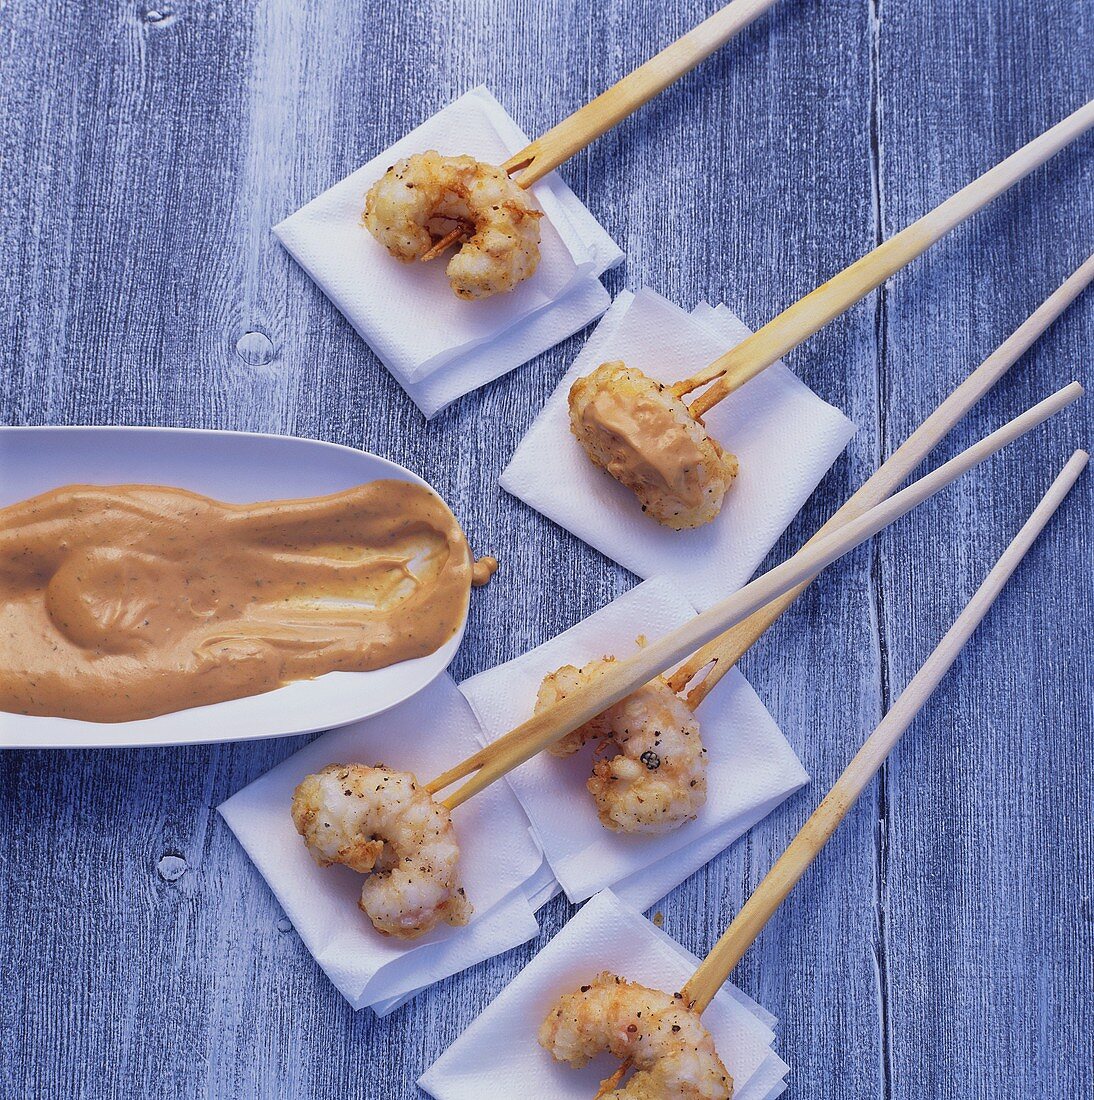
x,y
426,202
657,780
381,823
641,433
665,1042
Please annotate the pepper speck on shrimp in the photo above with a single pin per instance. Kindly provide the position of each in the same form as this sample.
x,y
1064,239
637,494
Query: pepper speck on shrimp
x,y
657,780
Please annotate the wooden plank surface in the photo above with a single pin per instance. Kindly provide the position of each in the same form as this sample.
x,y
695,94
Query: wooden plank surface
x,y
941,946
987,865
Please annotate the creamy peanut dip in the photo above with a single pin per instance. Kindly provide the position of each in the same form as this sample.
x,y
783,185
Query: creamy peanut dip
x,y
130,601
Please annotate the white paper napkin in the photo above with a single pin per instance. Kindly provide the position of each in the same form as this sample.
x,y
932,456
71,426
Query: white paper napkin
x,y
438,346
425,735
751,767
498,1054
785,437
537,891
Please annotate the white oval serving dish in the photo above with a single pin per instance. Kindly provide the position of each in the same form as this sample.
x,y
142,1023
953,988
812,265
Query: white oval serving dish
x,y
239,467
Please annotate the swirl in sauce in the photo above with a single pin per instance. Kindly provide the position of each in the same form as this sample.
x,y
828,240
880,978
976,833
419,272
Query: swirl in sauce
x,y
130,601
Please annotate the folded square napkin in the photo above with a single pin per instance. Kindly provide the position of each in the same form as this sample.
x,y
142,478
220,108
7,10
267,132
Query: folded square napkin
x,y
424,735
437,345
536,892
785,437
751,767
499,1054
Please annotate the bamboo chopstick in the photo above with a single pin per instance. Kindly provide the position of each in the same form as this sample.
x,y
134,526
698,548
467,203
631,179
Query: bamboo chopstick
x,y
622,677
724,652
811,838
758,351
598,116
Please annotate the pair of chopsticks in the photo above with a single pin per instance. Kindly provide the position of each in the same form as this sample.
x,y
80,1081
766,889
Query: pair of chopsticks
x,y
781,334
813,835
809,314
622,99
625,676
720,655
800,853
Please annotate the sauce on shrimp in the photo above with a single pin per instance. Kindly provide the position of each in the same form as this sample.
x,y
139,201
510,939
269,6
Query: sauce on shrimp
x,y
130,601
651,445
643,435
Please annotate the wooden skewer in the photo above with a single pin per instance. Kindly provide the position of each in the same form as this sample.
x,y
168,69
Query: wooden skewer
x,y
610,1084
803,849
624,98
624,676
758,351
720,655
442,245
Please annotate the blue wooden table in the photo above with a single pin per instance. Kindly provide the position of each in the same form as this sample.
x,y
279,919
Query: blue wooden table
x,y
941,946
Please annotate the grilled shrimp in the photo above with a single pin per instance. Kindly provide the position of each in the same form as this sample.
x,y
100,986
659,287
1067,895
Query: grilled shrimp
x,y
671,1051
562,682
657,781
381,823
642,434
427,201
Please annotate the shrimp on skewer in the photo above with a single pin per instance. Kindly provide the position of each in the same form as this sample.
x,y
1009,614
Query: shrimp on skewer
x,y
672,1052
565,681
381,823
643,435
657,781
465,199
426,202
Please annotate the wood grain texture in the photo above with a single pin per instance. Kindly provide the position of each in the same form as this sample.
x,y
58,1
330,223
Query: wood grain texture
x,y
940,946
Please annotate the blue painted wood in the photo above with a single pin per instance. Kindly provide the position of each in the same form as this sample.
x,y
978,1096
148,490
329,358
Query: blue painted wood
x,y
940,947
